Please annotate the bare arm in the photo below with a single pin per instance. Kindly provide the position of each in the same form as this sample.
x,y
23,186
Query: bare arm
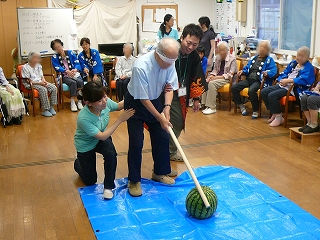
x,y
109,131
168,96
212,50
164,121
120,105
125,115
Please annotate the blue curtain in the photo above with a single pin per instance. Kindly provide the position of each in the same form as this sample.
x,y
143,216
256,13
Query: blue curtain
x,y
296,24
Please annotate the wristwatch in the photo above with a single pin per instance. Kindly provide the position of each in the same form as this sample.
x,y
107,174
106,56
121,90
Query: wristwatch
x,y
167,105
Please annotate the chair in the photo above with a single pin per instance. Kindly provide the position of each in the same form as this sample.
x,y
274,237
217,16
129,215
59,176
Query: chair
x,y
62,88
284,101
32,94
112,82
226,89
245,91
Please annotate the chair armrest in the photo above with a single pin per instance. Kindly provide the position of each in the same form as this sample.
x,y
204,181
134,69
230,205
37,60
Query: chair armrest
x,y
231,80
52,76
48,75
289,91
111,71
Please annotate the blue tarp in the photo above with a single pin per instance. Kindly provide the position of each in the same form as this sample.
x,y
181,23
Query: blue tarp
x,y
247,209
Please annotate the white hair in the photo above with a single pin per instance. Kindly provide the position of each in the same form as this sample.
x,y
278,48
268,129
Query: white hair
x,y
305,50
31,54
128,44
166,43
223,44
267,42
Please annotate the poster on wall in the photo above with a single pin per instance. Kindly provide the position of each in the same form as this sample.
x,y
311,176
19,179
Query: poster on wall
x,y
226,18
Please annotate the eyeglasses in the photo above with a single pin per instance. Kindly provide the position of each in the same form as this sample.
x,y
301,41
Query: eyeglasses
x,y
165,58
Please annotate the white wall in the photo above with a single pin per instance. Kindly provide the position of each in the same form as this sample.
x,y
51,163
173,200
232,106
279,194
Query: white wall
x,y
189,11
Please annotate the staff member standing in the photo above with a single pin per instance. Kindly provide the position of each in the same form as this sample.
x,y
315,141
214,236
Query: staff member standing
x,y
166,29
150,74
207,41
191,82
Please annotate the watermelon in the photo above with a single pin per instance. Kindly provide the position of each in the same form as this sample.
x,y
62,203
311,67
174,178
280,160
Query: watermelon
x,y
195,206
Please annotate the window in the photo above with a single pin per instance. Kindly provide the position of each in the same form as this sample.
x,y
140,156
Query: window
x,y
295,27
296,24
267,20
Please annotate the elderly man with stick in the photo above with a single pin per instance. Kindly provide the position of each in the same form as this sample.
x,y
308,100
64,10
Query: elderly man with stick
x,y
146,94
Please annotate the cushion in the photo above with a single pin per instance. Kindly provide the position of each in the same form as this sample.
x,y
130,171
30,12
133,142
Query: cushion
x,y
283,100
245,92
224,89
65,87
113,84
35,93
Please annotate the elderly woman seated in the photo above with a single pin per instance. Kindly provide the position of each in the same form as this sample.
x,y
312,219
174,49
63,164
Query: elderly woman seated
x,y
66,62
123,70
33,71
258,67
299,73
91,63
310,105
13,106
224,68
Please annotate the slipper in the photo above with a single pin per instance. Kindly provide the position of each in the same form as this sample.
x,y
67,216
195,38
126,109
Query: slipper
x,y
176,157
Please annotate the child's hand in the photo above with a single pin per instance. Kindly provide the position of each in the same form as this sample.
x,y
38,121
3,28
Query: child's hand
x,y
126,114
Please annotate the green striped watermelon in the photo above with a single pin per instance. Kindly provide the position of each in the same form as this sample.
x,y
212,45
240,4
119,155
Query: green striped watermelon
x,y
195,205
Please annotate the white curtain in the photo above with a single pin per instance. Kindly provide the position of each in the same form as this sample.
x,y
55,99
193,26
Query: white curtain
x,y
104,21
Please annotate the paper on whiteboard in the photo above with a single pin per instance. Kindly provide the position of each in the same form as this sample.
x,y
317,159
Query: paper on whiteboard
x,y
148,15
160,13
150,27
171,11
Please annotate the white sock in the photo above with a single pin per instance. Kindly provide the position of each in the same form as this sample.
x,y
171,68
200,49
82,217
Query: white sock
x,y
79,101
279,116
72,101
313,125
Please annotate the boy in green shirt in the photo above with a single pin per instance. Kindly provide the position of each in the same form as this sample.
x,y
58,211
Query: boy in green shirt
x,y
92,136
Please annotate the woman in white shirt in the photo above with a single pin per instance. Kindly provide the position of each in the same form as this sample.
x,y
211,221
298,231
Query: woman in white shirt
x,y
47,91
13,106
123,70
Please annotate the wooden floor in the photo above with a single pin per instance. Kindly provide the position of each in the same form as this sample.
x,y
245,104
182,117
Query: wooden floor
x,y
38,187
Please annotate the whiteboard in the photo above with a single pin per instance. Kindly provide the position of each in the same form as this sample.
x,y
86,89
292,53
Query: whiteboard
x,y
39,26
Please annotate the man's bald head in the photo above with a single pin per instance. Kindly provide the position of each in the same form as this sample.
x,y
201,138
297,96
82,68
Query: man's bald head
x,y
167,52
169,47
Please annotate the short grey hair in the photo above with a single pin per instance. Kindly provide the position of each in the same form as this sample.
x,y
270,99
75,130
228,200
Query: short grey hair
x,y
267,42
166,43
31,54
223,44
305,51
128,44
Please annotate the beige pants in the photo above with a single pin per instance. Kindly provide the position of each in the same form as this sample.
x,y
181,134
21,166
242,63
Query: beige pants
x,y
209,98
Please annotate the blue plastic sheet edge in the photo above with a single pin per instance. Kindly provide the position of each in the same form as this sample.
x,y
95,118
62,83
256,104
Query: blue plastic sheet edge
x,y
247,209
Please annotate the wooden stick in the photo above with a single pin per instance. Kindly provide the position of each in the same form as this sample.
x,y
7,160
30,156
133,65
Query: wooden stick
x,y
194,178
